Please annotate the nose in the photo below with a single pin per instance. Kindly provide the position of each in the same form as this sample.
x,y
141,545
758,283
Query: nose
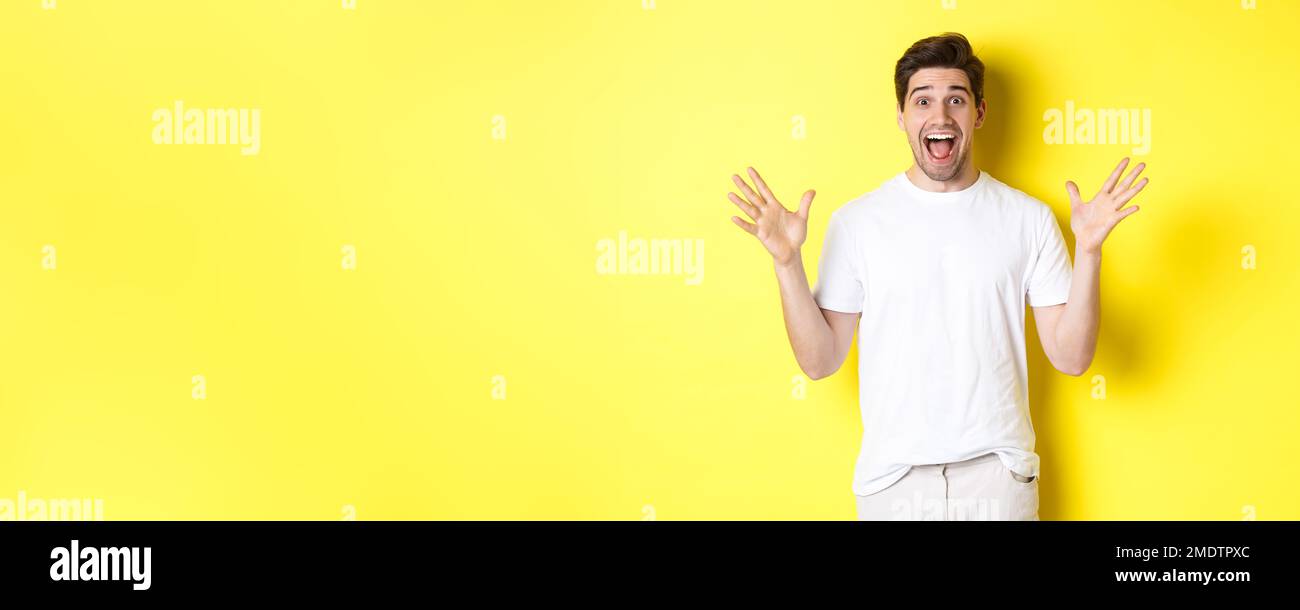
x,y
942,113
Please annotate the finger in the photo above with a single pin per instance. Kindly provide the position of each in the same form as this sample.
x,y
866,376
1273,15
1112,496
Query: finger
x,y
749,210
805,204
746,191
1130,193
1128,180
762,187
1073,190
1114,176
749,228
1124,213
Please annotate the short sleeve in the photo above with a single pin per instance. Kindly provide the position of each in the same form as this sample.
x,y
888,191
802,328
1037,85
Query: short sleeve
x,y
1051,273
839,286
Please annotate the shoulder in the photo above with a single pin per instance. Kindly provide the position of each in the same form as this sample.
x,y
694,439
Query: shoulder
x,y
1020,201
858,209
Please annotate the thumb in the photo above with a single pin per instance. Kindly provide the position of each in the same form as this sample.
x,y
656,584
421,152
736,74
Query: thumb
x,y
805,204
1073,191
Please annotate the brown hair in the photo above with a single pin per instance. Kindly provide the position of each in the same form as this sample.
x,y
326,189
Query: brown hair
x,y
950,50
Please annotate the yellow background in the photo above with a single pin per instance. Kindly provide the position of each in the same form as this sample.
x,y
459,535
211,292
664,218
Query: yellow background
x,y
627,397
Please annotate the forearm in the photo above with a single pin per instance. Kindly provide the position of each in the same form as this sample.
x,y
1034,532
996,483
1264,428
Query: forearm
x,y
809,332
1076,332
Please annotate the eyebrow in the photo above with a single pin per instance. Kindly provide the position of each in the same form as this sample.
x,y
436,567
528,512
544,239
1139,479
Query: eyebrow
x,y
950,88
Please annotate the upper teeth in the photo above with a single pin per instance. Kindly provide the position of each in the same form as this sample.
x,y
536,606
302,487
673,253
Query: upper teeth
x,y
940,136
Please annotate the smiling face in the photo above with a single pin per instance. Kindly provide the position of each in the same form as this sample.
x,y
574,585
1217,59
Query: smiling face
x,y
940,117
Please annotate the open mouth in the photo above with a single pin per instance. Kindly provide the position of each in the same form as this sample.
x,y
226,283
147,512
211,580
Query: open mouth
x,y
940,147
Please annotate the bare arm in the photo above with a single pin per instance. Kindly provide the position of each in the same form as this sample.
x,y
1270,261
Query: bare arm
x,y
819,337
1069,331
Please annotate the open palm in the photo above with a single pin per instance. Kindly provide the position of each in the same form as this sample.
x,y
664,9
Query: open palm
x,y
1094,220
781,231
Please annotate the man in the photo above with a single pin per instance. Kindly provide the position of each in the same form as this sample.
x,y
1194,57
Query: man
x,y
935,268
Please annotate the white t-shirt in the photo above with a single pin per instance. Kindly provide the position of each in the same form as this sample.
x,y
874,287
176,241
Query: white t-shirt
x,y
941,280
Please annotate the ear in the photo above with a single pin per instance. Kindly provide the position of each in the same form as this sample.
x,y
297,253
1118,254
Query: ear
x,y
900,119
979,112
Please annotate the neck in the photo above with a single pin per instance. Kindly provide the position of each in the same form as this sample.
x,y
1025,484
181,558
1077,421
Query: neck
x,y
966,177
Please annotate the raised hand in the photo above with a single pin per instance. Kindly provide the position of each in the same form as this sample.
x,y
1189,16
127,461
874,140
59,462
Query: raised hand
x,y
781,231
1093,221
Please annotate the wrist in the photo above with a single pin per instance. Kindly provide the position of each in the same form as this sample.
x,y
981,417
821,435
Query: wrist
x,y
794,262
1086,252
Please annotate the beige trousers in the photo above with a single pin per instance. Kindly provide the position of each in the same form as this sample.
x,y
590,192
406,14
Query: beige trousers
x,y
978,489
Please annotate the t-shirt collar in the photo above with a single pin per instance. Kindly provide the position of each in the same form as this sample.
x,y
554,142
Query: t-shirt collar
x,y
951,196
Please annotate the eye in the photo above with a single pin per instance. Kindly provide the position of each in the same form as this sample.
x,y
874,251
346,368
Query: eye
x,y
957,100
922,102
